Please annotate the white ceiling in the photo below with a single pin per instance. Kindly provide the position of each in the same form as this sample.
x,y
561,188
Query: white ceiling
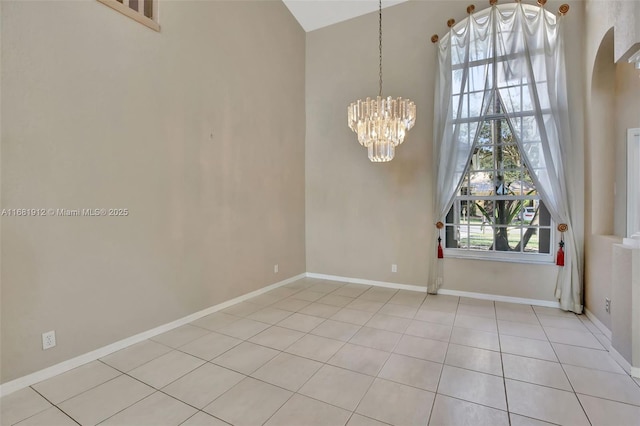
x,y
314,14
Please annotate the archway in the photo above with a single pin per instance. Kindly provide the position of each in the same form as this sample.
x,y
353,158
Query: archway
x,y
600,153
600,179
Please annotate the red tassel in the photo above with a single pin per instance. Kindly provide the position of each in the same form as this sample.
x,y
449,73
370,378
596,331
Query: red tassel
x,y
560,256
440,251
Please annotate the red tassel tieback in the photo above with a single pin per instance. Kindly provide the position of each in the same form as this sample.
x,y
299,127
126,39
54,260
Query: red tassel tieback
x,y
562,228
440,225
560,256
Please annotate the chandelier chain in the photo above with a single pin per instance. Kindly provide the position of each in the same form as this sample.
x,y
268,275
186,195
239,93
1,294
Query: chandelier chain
x,y
380,43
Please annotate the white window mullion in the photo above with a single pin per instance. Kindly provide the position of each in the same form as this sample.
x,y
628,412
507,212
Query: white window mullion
x,y
125,8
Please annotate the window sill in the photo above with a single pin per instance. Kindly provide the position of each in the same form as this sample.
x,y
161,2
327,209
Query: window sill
x,y
136,16
546,259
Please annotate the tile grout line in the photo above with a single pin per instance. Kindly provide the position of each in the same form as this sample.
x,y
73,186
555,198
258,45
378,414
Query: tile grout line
x,y
295,392
636,381
354,411
564,371
156,390
385,362
140,400
443,361
84,391
178,378
608,399
124,374
130,405
161,390
377,373
52,406
205,413
504,377
467,369
307,333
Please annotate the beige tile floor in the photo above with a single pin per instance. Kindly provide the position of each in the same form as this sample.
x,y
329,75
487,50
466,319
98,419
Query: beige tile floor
x,y
324,353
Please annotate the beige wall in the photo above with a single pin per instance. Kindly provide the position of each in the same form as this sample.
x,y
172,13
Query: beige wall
x,y
599,272
627,109
622,301
1,73
363,217
524,280
625,315
612,105
612,32
179,127
198,130
601,155
635,315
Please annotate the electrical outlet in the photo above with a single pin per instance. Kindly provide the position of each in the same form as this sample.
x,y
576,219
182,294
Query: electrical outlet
x,y
394,268
48,339
275,268
607,305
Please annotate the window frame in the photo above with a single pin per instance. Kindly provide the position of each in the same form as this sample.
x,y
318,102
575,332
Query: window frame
x,y
494,57
134,14
497,255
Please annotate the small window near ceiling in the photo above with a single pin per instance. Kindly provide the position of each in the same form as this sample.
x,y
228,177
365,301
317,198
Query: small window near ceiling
x,y
143,11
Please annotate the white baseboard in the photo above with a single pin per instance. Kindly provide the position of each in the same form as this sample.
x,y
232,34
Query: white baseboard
x,y
599,325
54,370
483,296
64,366
367,282
499,298
626,366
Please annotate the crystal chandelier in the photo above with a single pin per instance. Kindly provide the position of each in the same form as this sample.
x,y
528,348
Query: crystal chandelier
x,y
381,123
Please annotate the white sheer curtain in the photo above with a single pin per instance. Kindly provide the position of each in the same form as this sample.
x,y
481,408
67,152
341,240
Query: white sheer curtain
x,y
458,86
513,53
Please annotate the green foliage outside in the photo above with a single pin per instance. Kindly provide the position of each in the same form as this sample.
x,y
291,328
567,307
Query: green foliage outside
x,y
497,165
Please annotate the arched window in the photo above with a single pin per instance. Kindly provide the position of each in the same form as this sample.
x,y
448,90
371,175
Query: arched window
x,y
501,137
